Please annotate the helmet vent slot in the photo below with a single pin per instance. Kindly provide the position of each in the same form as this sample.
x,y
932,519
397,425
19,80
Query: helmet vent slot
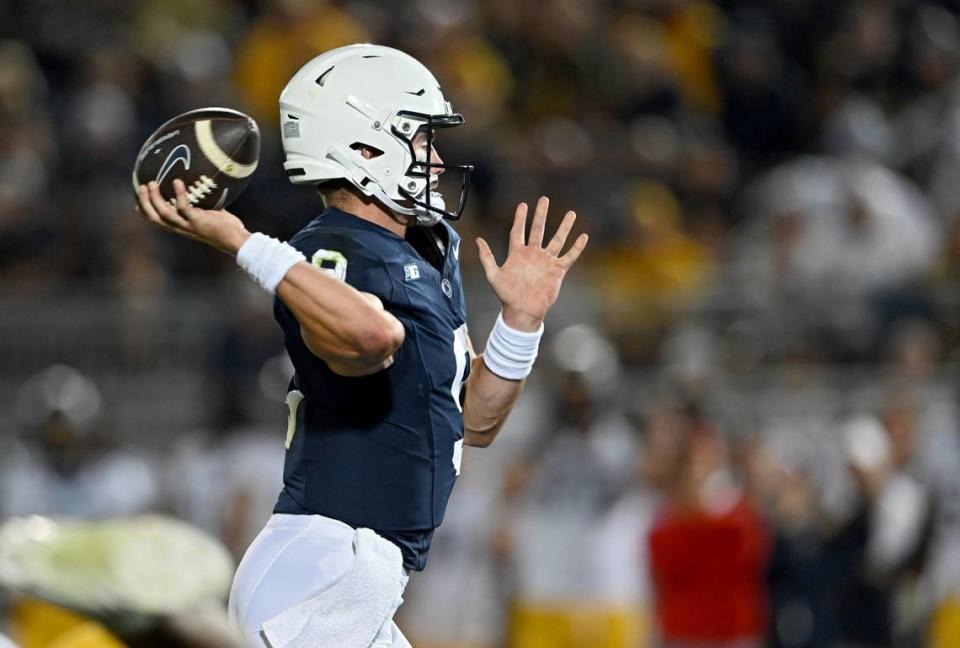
x,y
371,56
295,172
374,151
323,77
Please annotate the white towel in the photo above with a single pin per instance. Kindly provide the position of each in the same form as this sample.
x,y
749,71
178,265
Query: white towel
x,y
349,613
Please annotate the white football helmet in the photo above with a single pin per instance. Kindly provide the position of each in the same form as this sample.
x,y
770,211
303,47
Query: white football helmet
x,y
375,97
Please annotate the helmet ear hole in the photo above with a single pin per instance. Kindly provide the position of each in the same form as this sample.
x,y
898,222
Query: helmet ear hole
x,y
368,151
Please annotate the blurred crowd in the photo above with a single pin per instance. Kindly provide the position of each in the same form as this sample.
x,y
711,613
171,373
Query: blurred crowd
x,y
745,431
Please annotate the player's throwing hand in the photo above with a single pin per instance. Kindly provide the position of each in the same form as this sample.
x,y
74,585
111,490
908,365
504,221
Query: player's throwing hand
x,y
217,228
528,282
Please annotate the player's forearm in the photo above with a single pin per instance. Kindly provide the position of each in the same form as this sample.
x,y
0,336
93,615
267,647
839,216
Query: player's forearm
x,y
488,401
349,330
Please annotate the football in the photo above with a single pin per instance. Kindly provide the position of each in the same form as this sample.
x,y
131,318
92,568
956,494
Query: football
x,y
214,151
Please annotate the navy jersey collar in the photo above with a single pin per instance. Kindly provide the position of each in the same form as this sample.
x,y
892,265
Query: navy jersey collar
x,y
346,219
338,217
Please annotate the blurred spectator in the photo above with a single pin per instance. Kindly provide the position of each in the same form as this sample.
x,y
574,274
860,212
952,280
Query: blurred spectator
x,y
708,548
226,480
27,155
64,463
874,553
763,95
655,271
797,580
280,41
562,491
838,249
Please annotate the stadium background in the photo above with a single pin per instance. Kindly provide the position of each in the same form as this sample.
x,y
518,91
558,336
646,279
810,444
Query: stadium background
x,y
743,429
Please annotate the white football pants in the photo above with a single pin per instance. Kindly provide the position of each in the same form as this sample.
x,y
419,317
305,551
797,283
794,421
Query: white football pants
x,y
294,558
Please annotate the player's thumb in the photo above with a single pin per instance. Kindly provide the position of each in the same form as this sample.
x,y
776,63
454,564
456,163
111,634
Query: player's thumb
x,y
486,259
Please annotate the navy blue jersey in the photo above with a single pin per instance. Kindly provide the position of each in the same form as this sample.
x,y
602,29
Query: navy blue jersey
x,y
380,451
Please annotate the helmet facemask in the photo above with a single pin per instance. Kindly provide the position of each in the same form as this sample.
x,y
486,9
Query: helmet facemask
x,y
416,187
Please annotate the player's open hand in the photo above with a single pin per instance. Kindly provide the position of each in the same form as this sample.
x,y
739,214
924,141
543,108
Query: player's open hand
x,y
219,229
528,282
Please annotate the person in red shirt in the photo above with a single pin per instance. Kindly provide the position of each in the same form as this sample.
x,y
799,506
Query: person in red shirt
x,y
708,550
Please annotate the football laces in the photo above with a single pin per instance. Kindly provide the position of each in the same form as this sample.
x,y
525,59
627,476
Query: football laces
x,y
200,189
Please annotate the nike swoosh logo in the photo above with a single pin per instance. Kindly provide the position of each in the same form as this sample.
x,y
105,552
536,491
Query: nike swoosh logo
x,y
180,153
456,250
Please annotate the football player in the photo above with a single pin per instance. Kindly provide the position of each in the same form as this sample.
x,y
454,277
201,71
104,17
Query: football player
x,y
387,388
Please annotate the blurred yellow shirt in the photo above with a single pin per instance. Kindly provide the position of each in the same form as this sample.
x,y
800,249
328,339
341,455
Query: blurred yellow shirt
x,y
38,624
274,49
572,626
656,270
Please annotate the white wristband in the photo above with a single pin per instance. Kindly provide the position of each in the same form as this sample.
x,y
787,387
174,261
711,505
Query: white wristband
x,y
510,353
267,260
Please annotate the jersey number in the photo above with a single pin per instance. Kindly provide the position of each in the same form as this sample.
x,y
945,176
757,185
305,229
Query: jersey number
x,y
331,262
462,358
293,404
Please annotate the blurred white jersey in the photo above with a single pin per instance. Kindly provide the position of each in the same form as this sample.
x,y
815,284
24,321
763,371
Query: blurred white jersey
x,y
567,503
116,484
228,489
938,465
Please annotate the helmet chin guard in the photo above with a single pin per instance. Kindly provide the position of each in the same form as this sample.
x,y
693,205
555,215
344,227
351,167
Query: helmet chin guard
x,y
375,98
